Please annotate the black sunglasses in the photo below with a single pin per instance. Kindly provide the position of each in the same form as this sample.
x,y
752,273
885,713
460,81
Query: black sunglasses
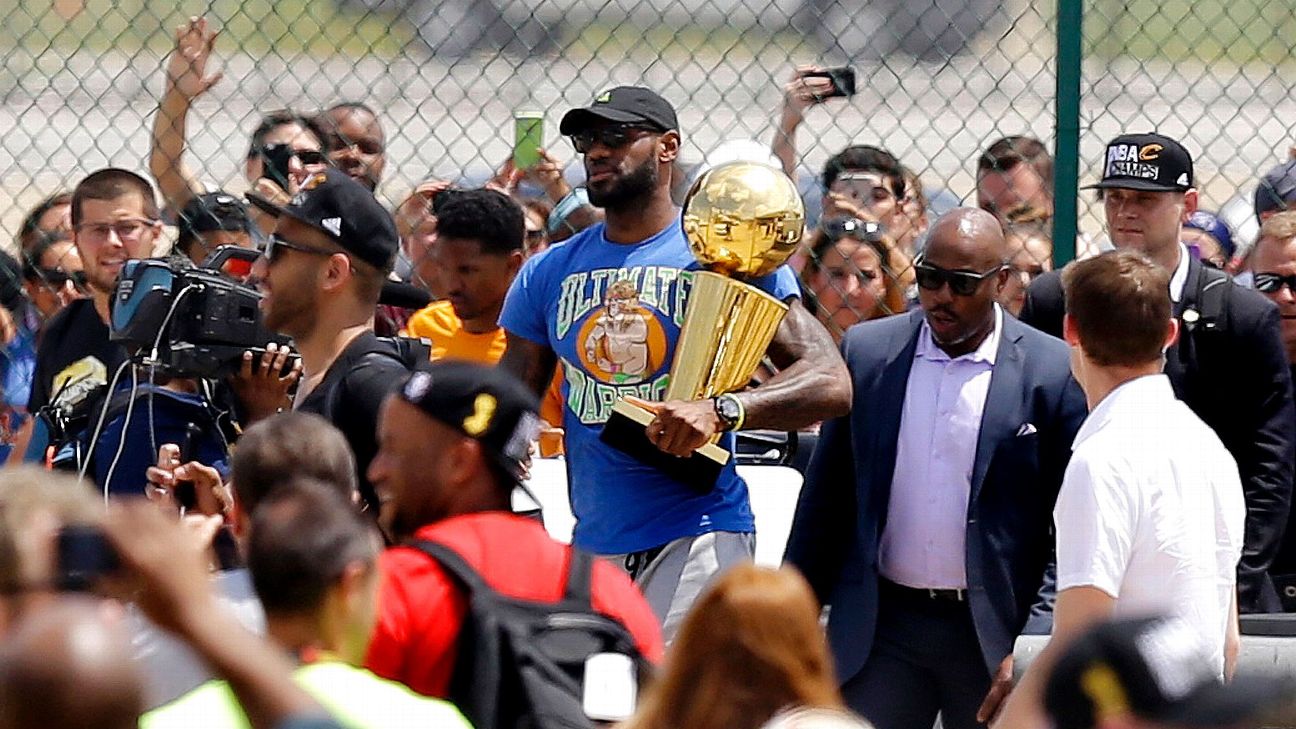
x,y
274,243
57,277
311,157
962,283
1272,283
612,137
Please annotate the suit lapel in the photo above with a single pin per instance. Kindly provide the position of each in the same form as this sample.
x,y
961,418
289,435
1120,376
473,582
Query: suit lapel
x,y
1192,283
885,425
1002,415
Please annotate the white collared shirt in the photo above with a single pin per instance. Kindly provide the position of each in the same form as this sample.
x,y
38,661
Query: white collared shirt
x,y
1151,510
923,544
1179,277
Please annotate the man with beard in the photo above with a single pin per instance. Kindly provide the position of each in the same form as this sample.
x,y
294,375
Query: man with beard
x,y
925,520
114,218
671,538
321,274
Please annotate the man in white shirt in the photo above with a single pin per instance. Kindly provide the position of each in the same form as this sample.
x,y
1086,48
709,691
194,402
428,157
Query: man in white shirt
x,y
1227,334
1150,516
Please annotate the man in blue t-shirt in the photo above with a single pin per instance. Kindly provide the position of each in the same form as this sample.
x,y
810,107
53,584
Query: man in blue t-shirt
x,y
606,307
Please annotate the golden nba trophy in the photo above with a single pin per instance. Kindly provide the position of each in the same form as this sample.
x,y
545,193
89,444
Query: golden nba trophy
x,y
742,221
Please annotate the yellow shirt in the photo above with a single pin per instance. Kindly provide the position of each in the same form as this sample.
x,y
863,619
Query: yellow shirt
x,y
439,324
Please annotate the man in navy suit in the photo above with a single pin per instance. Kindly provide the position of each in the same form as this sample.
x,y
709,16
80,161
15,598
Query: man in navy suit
x,y
925,520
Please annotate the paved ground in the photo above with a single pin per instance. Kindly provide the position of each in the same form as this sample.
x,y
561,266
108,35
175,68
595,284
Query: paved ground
x,y
65,116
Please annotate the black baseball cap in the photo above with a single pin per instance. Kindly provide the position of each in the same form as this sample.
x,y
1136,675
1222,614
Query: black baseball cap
x,y
1277,189
213,211
486,404
1150,161
624,104
1158,669
347,212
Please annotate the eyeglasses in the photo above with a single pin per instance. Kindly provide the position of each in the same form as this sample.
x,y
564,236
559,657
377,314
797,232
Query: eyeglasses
x,y
275,242
1272,283
612,137
126,230
962,283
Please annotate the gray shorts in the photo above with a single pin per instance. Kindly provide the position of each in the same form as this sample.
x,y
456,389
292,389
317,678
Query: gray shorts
x,y
673,575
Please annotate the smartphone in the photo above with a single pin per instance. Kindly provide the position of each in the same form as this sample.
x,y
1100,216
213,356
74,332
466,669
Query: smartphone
x,y
843,80
275,158
528,135
84,555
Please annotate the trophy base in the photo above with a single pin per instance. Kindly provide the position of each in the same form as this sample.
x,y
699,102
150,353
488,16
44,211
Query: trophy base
x,y
625,430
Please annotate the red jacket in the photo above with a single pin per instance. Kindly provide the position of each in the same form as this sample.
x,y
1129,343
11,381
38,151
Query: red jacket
x,y
421,608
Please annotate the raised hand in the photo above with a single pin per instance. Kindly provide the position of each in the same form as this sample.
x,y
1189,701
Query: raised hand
x,y
187,64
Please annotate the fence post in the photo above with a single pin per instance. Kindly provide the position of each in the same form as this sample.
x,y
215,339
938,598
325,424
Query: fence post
x,y
1067,154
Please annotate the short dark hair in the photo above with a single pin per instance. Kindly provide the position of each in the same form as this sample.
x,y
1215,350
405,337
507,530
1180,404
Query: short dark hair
x,y
865,158
111,183
1005,154
489,217
29,232
302,539
1119,286
272,120
287,445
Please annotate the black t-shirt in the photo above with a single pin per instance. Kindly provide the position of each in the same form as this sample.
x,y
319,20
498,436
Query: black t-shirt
x,y
351,394
74,357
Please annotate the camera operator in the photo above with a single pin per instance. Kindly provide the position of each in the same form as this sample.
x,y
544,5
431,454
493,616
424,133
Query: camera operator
x,y
320,275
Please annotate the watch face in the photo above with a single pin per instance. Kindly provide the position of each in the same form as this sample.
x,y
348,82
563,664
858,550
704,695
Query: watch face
x,y
728,409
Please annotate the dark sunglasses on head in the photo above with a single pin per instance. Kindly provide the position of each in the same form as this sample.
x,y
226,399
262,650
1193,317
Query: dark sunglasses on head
x,y
865,230
1272,283
612,137
962,283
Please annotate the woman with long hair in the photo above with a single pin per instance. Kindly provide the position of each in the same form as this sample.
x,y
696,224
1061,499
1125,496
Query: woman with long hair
x,y
850,275
750,648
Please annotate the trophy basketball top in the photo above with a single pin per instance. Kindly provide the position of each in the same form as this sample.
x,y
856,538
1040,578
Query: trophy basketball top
x,y
743,219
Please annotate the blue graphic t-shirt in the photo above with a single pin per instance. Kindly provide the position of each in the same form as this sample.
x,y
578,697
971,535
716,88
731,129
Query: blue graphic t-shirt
x,y
612,313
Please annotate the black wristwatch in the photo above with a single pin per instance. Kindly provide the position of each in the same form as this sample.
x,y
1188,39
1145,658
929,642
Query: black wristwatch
x,y
730,410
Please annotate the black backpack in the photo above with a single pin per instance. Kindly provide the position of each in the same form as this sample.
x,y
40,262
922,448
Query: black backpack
x,y
521,664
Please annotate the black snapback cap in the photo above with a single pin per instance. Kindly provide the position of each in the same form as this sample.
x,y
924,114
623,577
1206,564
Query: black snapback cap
x,y
347,212
1152,162
624,104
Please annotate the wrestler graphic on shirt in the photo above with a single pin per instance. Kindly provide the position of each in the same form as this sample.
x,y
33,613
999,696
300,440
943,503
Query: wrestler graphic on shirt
x,y
618,341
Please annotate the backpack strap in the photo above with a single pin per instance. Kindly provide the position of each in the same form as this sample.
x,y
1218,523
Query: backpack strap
x,y
455,564
580,571
1211,298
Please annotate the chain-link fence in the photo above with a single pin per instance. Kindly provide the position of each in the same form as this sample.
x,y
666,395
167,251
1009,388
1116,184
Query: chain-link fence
x,y
937,81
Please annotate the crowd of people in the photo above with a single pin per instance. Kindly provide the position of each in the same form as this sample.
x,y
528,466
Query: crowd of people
x,y
327,537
